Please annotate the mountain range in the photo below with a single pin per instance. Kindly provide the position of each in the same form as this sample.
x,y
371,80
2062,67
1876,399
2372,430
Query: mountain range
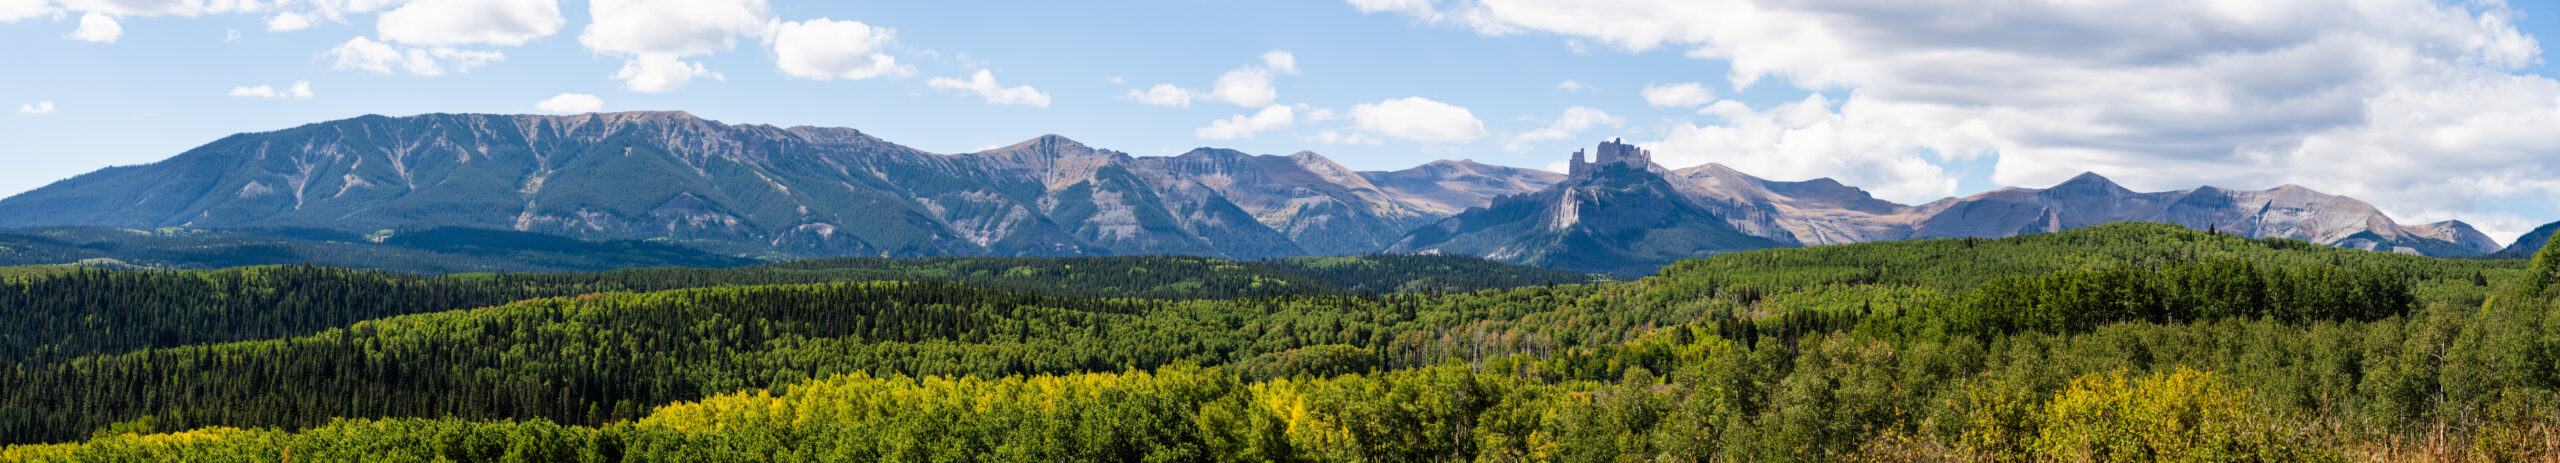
x,y
775,192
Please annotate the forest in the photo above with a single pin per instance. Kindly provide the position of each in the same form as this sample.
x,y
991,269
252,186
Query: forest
x,y
2121,342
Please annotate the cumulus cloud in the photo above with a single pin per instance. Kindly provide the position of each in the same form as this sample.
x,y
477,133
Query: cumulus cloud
x,y
654,35
1418,119
1248,86
1859,144
659,73
2419,106
825,49
1572,122
1280,61
40,107
570,103
1573,86
672,27
469,22
301,89
1331,137
1244,126
365,54
287,22
98,28
1681,95
1162,95
984,84
165,7
14,10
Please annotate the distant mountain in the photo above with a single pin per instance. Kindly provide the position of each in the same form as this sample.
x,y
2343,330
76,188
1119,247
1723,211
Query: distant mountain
x,y
2531,243
2288,211
763,191
770,192
1620,215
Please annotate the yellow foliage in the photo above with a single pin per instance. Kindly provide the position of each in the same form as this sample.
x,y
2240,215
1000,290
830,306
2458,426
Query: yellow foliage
x,y
2178,415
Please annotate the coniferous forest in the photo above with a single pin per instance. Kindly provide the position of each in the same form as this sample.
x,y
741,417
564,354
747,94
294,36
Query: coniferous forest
x,y
2121,342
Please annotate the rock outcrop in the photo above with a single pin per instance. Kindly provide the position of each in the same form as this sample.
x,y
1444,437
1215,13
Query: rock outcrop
x,y
764,190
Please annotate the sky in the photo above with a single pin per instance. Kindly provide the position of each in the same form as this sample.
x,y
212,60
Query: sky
x,y
2430,110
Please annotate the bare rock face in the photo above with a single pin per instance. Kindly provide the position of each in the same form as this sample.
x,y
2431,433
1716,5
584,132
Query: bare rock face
x,y
1618,215
754,189
2288,211
1748,211
1449,187
816,191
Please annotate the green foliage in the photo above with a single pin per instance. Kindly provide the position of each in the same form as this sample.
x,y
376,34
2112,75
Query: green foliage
x,y
2178,415
431,251
2109,343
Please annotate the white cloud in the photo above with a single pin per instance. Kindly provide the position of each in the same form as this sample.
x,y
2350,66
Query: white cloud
x,y
1161,95
570,103
470,22
300,89
14,10
1244,126
1316,114
1248,87
1571,123
366,54
40,107
1281,61
1342,138
1681,95
984,84
1860,144
672,27
98,28
231,35
165,7
1418,119
339,10
659,73
1573,86
824,49
129,8
287,22
2422,107
653,36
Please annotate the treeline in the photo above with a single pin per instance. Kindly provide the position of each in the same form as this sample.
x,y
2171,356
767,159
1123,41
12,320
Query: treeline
x,y
1423,274
431,251
593,359
2161,352
57,314
2079,301
1962,263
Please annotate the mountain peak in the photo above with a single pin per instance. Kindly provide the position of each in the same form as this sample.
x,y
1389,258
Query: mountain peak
x,y
1043,141
2088,178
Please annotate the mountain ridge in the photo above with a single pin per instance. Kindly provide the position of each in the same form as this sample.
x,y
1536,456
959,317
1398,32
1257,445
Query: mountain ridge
x,y
805,191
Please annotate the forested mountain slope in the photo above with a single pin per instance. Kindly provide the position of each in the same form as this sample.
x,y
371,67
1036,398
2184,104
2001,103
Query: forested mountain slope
x,y
2121,343
52,313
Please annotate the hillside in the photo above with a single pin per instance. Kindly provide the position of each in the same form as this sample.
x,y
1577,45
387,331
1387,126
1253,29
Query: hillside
x,y
758,190
1730,365
427,251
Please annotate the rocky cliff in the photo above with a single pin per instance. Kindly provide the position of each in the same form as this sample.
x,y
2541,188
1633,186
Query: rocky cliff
x,y
761,190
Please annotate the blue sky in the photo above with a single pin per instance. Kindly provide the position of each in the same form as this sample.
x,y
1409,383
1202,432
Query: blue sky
x,y
2431,110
